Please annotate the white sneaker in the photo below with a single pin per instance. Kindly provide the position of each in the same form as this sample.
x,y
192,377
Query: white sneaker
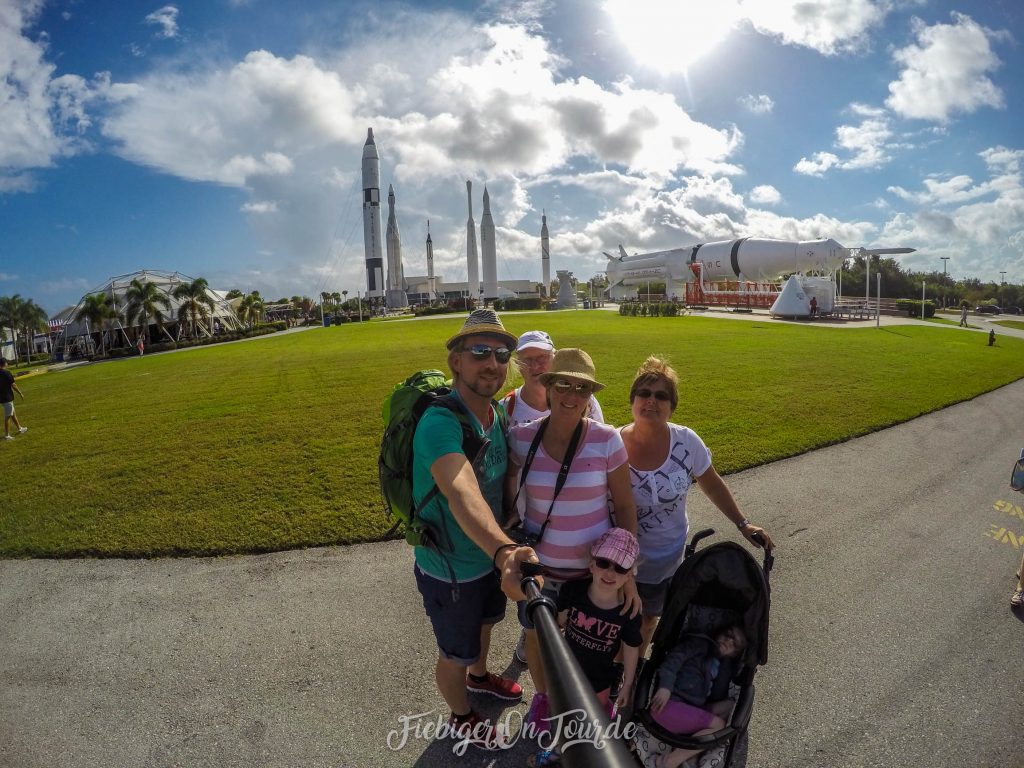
x,y
521,648
23,430
8,437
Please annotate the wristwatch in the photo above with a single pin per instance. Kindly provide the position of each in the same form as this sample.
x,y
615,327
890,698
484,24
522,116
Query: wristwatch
x,y
743,523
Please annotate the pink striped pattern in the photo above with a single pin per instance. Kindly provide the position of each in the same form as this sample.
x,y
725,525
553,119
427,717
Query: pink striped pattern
x,y
580,514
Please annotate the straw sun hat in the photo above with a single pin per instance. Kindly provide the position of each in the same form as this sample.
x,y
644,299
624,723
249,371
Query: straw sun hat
x,y
484,322
572,364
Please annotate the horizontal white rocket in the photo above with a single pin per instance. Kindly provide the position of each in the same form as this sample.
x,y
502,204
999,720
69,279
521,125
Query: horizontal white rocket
x,y
747,258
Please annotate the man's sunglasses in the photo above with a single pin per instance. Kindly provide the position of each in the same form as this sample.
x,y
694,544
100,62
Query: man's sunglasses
x,y
565,387
658,394
481,352
604,565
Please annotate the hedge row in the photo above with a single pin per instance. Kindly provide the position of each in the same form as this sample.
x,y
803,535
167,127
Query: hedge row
x,y
262,329
913,307
527,302
654,309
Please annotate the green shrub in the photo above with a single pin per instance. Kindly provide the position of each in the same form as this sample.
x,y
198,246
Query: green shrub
x,y
913,307
525,302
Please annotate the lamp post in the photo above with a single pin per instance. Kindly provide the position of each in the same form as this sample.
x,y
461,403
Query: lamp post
x,y
944,260
1002,282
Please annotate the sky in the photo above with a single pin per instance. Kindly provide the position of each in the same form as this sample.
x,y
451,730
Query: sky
x,y
223,138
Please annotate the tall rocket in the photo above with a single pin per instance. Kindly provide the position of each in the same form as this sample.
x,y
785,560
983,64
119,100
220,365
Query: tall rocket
x,y
545,253
371,218
396,296
489,258
431,290
472,266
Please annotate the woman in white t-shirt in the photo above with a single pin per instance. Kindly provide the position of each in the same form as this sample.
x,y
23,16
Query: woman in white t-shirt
x,y
664,461
528,402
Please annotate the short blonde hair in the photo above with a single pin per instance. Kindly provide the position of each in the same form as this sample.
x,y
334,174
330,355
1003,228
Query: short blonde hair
x,y
653,370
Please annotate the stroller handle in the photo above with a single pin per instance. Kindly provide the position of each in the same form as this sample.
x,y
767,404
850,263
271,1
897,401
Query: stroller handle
x,y
769,558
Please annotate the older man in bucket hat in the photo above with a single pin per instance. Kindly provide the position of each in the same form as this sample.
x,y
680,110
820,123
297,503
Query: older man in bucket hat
x,y
461,580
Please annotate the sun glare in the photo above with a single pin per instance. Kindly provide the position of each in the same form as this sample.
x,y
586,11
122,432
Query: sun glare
x,y
669,35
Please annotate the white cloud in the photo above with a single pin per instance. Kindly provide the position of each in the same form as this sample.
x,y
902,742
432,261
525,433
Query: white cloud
x,y
976,224
166,19
817,164
828,26
765,194
262,207
760,104
7,276
946,71
866,145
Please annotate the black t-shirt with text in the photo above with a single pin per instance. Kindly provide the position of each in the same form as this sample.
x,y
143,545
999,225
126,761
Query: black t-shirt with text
x,y
595,634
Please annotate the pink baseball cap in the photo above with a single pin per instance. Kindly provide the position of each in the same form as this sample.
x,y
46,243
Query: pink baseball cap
x,y
535,340
618,545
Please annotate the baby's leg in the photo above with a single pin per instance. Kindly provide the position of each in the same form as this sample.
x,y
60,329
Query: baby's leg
x,y
677,757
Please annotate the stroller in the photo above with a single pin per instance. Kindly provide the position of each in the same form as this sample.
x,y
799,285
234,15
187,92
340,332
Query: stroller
x,y
720,585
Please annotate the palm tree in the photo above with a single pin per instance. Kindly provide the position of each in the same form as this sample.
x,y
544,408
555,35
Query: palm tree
x,y
10,315
196,303
144,302
32,318
96,309
250,310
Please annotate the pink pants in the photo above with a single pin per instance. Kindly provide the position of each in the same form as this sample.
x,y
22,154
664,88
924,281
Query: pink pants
x,y
680,717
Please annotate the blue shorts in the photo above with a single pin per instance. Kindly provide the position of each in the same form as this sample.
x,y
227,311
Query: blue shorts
x,y
652,596
457,624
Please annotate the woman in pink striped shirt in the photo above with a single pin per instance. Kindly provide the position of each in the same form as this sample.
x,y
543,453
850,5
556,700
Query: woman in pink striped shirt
x,y
562,470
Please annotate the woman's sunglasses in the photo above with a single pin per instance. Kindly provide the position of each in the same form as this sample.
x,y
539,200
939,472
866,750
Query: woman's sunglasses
x,y
565,387
604,565
481,352
658,394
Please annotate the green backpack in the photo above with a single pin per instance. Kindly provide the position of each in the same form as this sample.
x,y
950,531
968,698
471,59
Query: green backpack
x,y
401,412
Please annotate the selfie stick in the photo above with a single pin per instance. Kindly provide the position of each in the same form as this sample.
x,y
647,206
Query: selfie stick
x,y
584,721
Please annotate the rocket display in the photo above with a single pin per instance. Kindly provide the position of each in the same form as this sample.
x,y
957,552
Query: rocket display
x,y
371,218
545,254
431,290
396,296
489,257
472,265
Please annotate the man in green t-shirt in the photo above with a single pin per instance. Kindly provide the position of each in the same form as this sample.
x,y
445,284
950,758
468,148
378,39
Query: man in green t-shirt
x,y
465,579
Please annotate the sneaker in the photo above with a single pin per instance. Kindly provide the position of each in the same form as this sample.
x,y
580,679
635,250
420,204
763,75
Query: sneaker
x,y
473,730
500,687
1018,598
8,437
539,715
521,648
22,430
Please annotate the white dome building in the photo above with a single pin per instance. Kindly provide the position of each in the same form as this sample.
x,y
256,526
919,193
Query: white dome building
x,y
213,313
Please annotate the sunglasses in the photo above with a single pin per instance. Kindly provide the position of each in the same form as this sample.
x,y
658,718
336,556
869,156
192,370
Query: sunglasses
x,y
565,387
481,352
604,565
658,394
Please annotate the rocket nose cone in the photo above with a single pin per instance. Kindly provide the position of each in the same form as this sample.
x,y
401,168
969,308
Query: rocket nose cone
x,y
369,136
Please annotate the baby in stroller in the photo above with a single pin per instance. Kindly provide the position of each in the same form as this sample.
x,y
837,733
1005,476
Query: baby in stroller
x,y
685,679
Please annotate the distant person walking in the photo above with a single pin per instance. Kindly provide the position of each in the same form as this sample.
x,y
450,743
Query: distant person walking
x,y
963,316
7,390
814,306
141,346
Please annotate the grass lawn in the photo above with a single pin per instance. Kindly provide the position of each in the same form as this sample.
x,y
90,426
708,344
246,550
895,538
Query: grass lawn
x,y
272,444
1018,324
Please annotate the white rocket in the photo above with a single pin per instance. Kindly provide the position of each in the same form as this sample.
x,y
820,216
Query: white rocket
x,y
431,290
749,259
371,218
545,253
472,265
396,296
489,256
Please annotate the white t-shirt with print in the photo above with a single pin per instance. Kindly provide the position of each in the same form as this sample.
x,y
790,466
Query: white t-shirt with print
x,y
660,496
523,412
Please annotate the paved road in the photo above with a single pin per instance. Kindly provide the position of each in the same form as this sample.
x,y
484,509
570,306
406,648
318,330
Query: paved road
x,y
892,641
